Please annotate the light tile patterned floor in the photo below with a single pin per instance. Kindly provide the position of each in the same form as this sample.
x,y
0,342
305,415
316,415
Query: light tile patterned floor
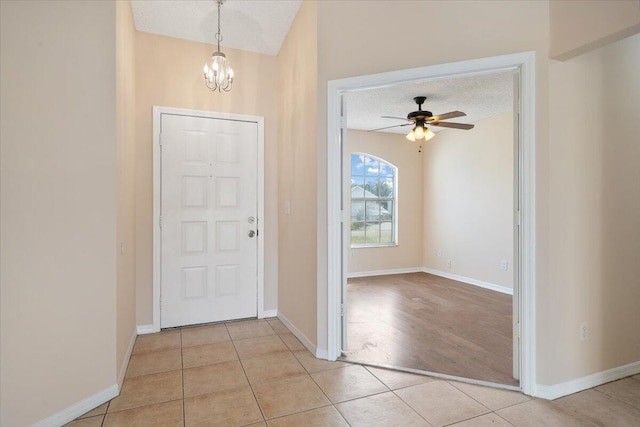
x,y
256,373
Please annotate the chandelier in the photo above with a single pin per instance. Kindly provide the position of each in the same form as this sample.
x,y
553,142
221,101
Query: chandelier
x,y
218,74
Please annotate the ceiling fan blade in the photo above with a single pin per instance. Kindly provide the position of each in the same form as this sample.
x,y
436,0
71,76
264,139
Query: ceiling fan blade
x,y
399,118
445,116
452,125
389,127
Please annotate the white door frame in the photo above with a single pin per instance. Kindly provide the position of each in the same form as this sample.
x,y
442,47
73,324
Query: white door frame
x,y
157,161
524,62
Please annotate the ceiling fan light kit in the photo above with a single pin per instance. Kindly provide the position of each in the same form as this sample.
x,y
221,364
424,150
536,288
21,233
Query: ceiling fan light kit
x,y
218,74
421,118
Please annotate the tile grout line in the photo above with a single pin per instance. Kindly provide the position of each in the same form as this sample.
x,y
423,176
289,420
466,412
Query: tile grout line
x,y
246,376
613,397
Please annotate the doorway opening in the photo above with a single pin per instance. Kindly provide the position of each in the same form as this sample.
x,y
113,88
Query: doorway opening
x,y
520,263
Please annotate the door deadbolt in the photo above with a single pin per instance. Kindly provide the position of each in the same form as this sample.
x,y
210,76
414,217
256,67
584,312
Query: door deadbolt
x,y
252,233
251,220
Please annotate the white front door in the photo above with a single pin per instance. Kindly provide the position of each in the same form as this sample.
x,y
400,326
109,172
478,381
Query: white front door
x,y
208,220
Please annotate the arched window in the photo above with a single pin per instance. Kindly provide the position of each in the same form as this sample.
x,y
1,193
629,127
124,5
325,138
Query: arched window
x,y
373,201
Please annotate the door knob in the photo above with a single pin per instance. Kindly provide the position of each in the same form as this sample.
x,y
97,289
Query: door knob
x,y
252,233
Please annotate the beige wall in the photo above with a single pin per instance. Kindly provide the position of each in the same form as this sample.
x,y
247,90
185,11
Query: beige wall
x,y
579,26
125,194
168,73
297,168
468,201
595,206
356,40
58,206
403,154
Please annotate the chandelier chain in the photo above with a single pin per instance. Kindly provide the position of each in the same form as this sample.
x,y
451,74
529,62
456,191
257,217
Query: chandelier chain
x,y
219,33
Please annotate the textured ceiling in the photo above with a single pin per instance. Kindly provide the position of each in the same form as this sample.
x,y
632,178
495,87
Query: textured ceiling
x,y
253,25
480,96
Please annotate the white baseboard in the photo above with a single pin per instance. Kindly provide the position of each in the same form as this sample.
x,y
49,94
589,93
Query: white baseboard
x,y
268,313
127,356
145,329
295,331
322,354
469,281
573,386
384,272
74,411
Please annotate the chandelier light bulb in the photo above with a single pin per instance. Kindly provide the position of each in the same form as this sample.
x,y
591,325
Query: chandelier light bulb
x,y
419,131
411,136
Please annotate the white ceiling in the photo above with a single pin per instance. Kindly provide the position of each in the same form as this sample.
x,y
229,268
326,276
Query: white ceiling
x,y
253,25
480,96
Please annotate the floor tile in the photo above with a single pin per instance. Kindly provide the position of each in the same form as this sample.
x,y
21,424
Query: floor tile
x,y
536,413
327,416
348,383
600,408
288,396
213,378
249,329
278,327
226,408
440,403
147,390
272,367
86,422
201,335
262,424
160,341
168,414
154,362
637,377
311,364
627,390
254,347
208,354
396,379
492,398
100,410
488,420
292,342
384,409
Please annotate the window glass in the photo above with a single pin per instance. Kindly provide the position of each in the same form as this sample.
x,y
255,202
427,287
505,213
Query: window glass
x,y
373,201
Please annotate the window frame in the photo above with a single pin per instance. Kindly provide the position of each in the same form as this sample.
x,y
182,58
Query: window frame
x,y
393,200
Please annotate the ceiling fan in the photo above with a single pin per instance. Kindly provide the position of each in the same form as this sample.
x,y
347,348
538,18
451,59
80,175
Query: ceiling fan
x,y
421,118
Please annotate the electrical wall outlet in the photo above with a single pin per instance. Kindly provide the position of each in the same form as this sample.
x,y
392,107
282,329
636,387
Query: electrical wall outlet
x,y
584,331
504,265
439,252
448,263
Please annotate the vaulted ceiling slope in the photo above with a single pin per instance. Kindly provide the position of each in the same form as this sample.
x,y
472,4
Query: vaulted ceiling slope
x,y
254,25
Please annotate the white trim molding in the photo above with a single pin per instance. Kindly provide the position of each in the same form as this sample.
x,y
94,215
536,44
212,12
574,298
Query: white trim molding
x,y
268,313
523,63
469,281
295,331
145,329
384,272
157,114
573,386
127,357
79,408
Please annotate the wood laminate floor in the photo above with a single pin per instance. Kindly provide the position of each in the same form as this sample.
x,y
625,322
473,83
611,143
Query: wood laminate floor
x,y
426,322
